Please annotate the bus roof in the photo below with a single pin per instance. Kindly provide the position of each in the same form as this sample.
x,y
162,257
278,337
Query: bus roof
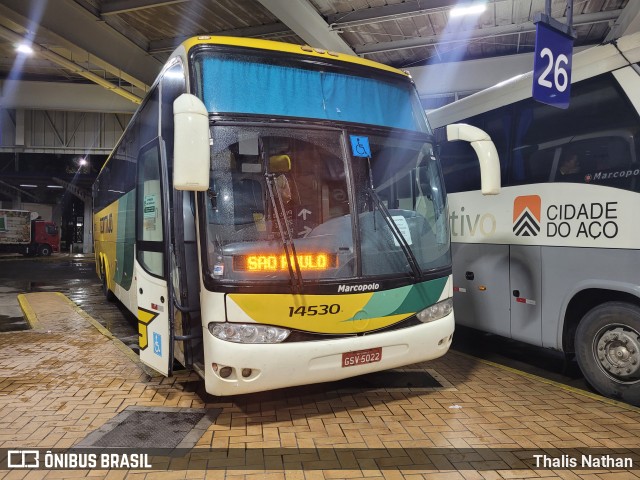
x,y
287,48
586,64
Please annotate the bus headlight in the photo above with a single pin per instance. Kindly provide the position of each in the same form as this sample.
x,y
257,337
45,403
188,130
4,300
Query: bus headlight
x,y
248,333
434,312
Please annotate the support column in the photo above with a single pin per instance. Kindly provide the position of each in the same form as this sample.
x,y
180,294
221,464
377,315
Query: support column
x,y
87,236
19,147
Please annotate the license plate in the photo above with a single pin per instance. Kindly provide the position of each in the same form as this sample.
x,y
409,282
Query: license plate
x,y
359,357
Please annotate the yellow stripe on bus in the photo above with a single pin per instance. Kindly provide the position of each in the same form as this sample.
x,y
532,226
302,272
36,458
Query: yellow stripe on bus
x,y
288,48
314,313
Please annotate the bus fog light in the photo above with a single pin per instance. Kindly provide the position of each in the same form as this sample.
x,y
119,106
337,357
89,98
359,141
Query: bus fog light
x,y
246,372
435,312
248,332
225,372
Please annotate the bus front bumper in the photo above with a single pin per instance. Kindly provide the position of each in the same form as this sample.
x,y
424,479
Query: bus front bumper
x,y
259,367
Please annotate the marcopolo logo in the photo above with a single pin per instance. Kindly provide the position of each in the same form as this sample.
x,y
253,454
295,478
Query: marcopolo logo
x,y
526,215
367,287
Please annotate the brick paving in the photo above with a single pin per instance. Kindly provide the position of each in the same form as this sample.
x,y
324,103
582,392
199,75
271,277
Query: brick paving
x,y
66,378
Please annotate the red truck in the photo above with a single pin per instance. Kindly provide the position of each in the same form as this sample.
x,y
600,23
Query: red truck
x,y
23,232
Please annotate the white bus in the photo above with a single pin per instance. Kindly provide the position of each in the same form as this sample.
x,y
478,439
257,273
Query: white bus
x,y
274,215
554,260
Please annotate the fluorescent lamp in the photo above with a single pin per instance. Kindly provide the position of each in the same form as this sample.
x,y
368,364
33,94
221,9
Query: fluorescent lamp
x,y
25,185
468,10
54,186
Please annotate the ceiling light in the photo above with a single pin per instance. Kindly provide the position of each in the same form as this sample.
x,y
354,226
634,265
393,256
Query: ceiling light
x,y
468,10
28,186
24,48
55,186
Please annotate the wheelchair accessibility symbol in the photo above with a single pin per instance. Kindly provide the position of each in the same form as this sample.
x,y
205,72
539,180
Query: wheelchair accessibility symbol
x,y
360,146
157,344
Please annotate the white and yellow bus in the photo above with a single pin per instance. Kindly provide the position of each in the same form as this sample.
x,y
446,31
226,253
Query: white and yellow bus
x,y
274,215
553,260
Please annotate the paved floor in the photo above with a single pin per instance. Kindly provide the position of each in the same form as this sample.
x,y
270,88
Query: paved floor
x,y
67,377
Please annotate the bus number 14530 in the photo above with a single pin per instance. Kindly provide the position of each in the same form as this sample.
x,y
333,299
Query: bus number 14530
x,y
312,310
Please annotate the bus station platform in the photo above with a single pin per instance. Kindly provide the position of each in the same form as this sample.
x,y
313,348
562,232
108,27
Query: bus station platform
x,y
67,385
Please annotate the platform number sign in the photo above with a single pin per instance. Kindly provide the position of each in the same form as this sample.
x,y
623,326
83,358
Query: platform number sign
x,y
552,66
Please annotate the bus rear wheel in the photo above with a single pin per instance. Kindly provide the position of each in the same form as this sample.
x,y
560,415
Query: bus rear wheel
x,y
608,350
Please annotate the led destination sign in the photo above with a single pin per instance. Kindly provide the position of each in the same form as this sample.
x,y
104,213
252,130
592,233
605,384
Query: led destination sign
x,y
276,263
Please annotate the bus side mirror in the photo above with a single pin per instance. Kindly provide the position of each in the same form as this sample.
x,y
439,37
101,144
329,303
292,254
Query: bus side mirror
x,y
486,152
190,144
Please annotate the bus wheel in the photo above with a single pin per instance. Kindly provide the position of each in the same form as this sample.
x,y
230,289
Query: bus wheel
x,y
608,350
108,294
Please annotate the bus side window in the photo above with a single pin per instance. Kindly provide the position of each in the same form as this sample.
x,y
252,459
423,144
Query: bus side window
x,y
599,128
536,166
460,167
149,211
173,84
601,159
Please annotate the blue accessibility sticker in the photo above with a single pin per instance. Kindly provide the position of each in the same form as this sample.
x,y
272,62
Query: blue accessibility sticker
x,y
360,146
157,344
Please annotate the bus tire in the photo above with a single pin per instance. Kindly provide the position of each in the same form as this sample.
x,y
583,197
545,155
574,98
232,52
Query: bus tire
x,y
607,345
108,294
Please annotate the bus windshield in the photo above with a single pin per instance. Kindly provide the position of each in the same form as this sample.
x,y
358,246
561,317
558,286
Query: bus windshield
x,y
299,89
293,205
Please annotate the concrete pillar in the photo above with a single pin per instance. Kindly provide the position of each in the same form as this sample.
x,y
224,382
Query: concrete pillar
x,y
87,237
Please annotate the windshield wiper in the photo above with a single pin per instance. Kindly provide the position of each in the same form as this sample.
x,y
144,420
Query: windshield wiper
x,y
285,231
395,231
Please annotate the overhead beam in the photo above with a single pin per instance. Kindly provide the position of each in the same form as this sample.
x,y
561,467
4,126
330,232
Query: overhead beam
x,y
168,44
81,193
584,19
89,34
123,6
306,22
469,76
366,16
627,23
70,97
69,65
18,23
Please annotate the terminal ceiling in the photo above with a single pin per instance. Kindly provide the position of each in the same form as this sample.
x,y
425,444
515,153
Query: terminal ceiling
x,y
122,44
101,56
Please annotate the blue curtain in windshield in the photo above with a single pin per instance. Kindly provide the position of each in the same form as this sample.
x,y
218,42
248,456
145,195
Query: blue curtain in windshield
x,y
248,87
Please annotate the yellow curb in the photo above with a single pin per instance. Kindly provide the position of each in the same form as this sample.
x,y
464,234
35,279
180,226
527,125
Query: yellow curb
x,y
531,376
121,346
29,315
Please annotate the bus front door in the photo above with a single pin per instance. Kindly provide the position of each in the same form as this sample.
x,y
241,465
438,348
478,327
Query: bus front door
x,y
151,272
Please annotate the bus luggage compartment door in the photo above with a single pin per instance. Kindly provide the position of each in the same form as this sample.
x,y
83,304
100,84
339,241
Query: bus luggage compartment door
x,y
525,273
481,286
